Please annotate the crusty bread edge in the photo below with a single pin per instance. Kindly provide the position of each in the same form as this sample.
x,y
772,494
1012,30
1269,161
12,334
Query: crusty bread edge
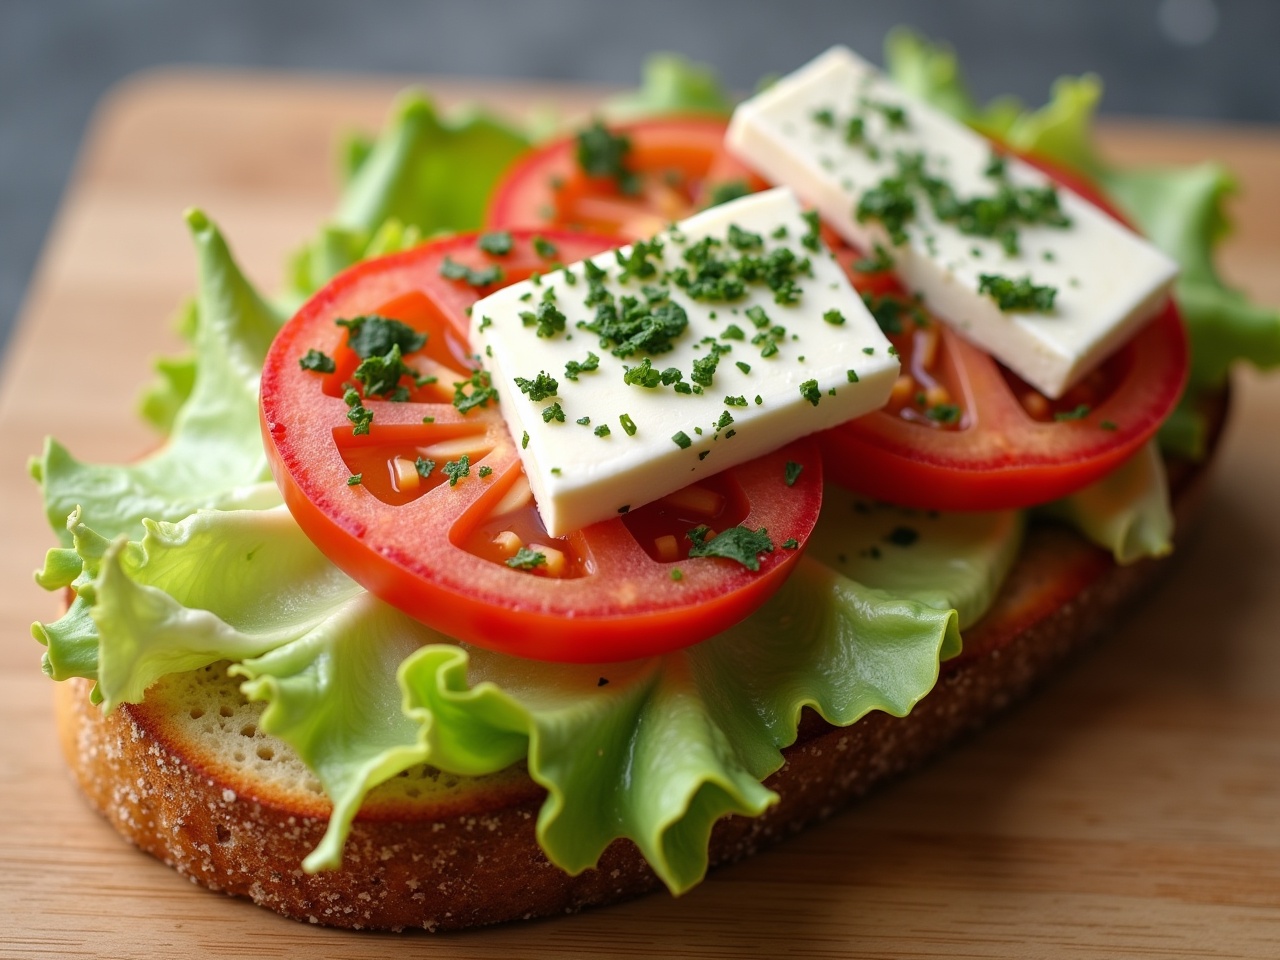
x,y
484,866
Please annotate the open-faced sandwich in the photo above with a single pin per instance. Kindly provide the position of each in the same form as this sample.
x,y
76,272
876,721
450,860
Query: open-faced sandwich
x,y
592,512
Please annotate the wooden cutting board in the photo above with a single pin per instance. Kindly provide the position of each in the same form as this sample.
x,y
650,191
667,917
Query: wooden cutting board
x,y
1130,810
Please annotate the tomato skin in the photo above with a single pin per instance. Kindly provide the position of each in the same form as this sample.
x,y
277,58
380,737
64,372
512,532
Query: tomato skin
x,y
1005,459
627,604
691,147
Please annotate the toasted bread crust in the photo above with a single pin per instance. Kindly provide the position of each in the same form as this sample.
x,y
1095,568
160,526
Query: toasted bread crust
x,y
467,855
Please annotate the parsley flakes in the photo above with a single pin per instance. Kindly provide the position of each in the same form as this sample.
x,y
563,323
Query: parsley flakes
x,y
740,544
317,361
526,559
1020,295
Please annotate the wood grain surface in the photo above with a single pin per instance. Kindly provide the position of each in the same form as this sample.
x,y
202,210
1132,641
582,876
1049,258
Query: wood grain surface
x,y
1130,810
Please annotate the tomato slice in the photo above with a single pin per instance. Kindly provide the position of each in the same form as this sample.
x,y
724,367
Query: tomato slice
x,y
962,432
680,165
436,542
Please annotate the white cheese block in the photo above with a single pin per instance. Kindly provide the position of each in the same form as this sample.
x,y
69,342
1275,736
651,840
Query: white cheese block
x,y
1108,281
805,372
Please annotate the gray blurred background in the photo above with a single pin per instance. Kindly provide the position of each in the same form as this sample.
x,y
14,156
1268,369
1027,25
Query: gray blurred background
x,y
1216,59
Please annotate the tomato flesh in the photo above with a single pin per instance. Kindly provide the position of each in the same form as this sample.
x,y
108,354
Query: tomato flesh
x,y
437,546
679,165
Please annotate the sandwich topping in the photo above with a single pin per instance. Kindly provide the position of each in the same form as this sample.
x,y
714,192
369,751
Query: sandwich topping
x,y
383,423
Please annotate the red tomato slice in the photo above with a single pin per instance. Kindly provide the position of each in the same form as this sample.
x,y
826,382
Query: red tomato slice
x,y
679,164
964,433
438,550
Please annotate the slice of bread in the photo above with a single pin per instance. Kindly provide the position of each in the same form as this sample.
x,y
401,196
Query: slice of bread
x,y
189,777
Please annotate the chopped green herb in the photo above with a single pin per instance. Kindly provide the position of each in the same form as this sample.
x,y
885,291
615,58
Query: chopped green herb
x,y
855,130
524,441
741,239
359,415
543,247
485,471
497,242
1079,413
573,367
744,367
1108,425
681,440
729,190
316,361
740,544
428,419
482,391
554,412
809,390
380,376
880,261
628,425
852,375
738,401
894,115
676,574
484,277
355,479
1021,295
455,470
732,332
602,430
791,472
726,418
540,387
791,543
526,559
891,203
547,318
704,368
888,311
641,375
810,240
424,467
947,413
631,326
372,335
824,117
601,153
833,317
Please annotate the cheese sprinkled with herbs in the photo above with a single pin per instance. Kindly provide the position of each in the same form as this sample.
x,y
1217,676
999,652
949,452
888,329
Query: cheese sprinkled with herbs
x,y
991,244
657,339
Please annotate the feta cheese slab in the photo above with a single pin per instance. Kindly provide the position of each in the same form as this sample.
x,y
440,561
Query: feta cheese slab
x,y
885,168
775,344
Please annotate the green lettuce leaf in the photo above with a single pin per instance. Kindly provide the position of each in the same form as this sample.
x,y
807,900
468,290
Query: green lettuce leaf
x,y
214,455
672,84
1181,211
427,173
1127,512
331,694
